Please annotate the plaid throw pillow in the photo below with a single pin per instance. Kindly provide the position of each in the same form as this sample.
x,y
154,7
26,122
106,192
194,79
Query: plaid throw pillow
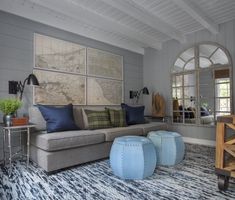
x,y
98,119
117,117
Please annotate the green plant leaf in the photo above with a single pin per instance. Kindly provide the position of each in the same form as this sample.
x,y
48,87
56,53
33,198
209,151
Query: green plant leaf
x,y
10,105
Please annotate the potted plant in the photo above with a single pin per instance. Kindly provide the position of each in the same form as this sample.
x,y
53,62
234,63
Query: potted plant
x,y
9,108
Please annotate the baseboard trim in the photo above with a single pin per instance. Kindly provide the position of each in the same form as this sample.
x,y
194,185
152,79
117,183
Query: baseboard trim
x,y
199,141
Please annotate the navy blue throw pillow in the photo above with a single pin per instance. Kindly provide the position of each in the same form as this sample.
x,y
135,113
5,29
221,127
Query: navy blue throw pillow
x,y
204,111
134,115
58,118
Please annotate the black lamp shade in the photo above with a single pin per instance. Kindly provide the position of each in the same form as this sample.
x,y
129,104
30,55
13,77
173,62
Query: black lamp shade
x,y
145,91
32,80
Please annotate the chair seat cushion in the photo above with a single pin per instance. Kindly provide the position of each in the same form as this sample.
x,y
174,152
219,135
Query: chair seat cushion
x,y
112,133
66,140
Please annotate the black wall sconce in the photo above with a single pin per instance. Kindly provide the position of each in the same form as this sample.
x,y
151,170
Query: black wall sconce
x,y
18,86
136,94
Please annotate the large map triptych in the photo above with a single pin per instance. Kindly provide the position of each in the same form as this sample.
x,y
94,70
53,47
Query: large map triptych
x,y
72,73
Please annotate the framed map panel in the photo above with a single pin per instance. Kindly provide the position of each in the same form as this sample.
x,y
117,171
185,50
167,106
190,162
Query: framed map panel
x,y
104,91
71,73
59,88
104,64
59,55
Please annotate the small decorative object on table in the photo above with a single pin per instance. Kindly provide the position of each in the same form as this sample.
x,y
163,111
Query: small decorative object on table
x,y
158,105
20,121
9,108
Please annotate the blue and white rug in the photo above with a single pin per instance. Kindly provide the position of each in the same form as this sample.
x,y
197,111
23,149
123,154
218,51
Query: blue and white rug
x,y
194,178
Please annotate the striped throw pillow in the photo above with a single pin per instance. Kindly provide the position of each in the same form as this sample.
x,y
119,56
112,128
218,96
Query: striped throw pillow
x,y
98,119
117,117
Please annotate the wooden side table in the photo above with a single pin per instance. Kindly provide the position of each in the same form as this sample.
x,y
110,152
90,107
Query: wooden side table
x,y
225,164
7,133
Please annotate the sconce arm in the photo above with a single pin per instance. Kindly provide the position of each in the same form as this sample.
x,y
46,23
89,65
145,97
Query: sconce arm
x,y
21,87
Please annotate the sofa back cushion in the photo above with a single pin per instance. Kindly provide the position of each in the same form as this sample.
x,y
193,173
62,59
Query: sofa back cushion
x,y
36,118
78,117
58,118
134,114
98,119
117,117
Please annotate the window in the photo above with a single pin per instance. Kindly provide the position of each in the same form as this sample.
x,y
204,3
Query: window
x,y
201,84
222,91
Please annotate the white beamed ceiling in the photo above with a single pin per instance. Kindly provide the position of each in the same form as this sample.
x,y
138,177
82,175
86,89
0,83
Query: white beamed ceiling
x,y
129,24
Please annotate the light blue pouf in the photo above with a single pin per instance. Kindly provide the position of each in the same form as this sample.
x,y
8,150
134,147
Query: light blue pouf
x,y
133,157
170,147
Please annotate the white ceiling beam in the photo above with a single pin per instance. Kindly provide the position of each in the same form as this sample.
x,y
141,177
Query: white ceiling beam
x,y
40,14
198,15
76,10
136,11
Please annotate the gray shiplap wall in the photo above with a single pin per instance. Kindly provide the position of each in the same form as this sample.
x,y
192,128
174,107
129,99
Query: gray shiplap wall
x,y
16,55
157,68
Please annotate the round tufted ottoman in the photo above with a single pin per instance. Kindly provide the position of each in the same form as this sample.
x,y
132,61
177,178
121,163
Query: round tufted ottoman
x,y
169,147
133,157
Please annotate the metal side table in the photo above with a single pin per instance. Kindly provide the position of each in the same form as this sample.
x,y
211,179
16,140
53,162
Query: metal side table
x,y
7,133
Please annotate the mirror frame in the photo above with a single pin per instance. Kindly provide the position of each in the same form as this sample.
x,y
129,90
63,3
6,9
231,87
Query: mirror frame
x,y
197,71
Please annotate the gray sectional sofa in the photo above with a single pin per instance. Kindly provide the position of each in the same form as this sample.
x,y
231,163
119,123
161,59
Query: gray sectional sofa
x,y
54,151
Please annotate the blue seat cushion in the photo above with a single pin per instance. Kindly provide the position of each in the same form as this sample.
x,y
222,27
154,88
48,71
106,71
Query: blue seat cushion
x,y
134,114
58,118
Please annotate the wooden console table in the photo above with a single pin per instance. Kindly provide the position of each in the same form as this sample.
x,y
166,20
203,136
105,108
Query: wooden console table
x,y
225,151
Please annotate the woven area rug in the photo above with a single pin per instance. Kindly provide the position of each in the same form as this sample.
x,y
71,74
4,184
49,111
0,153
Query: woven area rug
x,y
194,178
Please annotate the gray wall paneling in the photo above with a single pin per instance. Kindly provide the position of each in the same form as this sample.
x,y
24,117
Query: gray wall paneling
x,y
16,56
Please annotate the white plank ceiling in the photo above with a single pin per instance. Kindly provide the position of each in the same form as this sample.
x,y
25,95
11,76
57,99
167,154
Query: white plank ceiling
x,y
129,24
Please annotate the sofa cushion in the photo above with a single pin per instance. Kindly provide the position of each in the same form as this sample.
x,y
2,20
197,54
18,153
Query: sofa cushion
x,y
98,119
66,140
36,118
78,117
134,114
58,118
151,126
117,117
112,133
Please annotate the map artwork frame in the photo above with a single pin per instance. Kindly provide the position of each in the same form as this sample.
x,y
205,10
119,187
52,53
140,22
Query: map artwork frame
x,y
59,55
104,71
104,64
59,88
103,92
66,69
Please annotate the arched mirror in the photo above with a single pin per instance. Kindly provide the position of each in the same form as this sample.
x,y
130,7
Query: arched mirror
x,y
202,84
